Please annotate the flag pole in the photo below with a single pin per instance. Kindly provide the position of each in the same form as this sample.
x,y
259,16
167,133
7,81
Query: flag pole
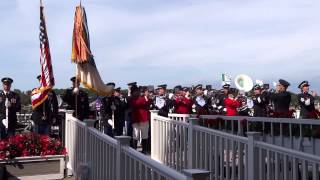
x,y
76,83
44,103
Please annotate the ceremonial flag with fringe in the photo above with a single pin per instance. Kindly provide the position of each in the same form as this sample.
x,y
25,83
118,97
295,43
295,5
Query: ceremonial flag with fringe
x,y
87,72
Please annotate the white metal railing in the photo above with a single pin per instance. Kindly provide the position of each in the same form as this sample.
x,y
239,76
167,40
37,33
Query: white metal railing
x,y
171,136
275,162
187,145
137,162
108,158
182,145
75,141
299,134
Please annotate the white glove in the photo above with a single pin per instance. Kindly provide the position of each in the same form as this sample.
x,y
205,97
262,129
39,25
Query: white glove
x,y
75,90
110,122
302,99
307,102
5,123
259,99
171,95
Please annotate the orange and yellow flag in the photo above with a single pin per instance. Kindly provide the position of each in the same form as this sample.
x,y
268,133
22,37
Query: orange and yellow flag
x,y
87,72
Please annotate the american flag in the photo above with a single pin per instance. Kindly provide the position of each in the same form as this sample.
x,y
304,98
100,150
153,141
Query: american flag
x,y
39,95
47,79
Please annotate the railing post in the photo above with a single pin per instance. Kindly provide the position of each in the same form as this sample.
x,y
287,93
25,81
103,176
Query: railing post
x,y
68,144
153,113
252,155
192,142
240,128
122,141
196,174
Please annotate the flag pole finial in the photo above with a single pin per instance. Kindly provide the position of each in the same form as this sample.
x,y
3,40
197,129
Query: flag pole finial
x,y
41,3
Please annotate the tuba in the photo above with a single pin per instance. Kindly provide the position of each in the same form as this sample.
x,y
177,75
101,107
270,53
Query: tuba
x,y
243,83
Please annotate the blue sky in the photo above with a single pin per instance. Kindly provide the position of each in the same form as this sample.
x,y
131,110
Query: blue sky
x,y
168,41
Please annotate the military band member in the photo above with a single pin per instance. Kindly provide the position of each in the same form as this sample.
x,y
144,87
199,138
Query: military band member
x,y
118,105
182,101
281,99
140,115
306,102
218,101
231,103
260,102
77,100
10,100
162,101
123,104
45,113
201,102
109,111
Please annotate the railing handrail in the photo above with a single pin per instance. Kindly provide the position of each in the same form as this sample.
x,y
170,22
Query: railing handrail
x,y
103,137
170,120
263,119
287,151
180,115
204,129
221,134
164,170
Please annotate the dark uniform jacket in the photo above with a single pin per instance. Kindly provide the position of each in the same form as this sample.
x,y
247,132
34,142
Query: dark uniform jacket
x,y
163,104
202,105
217,101
306,102
82,103
119,111
281,103
14,99
260,103
47,111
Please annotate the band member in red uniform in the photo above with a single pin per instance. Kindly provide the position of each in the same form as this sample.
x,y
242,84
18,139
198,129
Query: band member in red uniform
x,y
281,100
182,101
306,102
231,103
140,115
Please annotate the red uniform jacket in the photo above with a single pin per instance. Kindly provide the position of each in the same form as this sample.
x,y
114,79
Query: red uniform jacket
x,y
140,109
231,106
182,105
